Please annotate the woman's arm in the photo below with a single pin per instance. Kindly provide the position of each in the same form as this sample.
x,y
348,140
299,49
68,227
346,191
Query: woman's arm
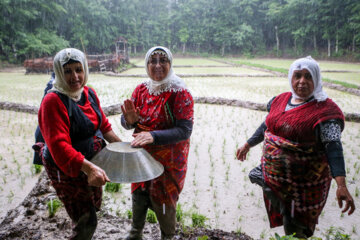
x,y
181,131
255,139
330,136
110,136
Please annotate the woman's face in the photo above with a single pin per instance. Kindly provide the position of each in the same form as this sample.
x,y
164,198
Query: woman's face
x,y
302,83
158,67
74,75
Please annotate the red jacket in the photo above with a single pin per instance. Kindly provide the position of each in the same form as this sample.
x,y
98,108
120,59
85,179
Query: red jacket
x,y
55,127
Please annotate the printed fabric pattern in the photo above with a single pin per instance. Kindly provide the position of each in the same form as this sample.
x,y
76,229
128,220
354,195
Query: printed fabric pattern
x,y
158,112
75,193
294,166
298,175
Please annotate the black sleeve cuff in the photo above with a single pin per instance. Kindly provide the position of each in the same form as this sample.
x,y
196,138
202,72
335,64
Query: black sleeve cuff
x,y
181,131
335,156
258,136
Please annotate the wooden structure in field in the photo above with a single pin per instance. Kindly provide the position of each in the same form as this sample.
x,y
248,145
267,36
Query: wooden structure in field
x,y
97,63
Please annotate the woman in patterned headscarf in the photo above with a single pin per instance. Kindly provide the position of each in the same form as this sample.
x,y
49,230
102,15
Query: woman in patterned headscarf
x,y
161,111
74,128
302,152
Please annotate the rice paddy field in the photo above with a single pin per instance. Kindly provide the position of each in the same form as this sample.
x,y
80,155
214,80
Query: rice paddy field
x,y
217,185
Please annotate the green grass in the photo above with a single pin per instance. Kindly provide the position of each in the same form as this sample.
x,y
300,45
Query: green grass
x,y
189,61
285,71
263,66
285,63
21,88
204,70
352,78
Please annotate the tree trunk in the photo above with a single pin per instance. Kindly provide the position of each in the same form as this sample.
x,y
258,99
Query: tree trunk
x,y
222,49
295,45
184,48
277,40
135,49
337,43
329,47
353,43
315,47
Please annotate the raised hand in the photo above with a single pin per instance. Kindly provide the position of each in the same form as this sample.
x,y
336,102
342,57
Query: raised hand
x,y
131,114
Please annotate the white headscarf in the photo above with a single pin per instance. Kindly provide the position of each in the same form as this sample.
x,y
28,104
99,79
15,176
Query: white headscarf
x,y
312,66
60,84
171,82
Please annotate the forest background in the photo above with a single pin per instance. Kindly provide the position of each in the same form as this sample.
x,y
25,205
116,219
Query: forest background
x,y
281,28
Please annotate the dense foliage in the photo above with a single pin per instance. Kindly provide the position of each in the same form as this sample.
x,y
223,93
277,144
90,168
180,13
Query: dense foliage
x,y
40,28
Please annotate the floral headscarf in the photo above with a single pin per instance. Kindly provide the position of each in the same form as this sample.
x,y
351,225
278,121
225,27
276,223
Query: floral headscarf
x,y
312,66
171,82
60,84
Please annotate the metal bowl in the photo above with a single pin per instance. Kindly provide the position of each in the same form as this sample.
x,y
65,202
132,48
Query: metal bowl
x,y
125,164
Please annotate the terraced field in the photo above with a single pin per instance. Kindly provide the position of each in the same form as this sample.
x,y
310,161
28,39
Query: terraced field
x,y
217,185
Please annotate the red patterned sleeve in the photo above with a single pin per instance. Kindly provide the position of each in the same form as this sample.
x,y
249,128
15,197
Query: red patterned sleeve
x,y
184,106
135,94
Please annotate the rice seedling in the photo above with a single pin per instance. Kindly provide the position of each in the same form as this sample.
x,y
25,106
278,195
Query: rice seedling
x,y
203,238
207,142
198,220
10,197
151,216
36,168
179,213
113,187
263,234
336,233
129,214
53,205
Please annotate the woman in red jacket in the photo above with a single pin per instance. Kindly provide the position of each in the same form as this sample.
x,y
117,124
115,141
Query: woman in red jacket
x,y
74,128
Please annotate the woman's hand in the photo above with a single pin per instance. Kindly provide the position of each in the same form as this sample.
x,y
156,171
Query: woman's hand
x,y
242,151
342,194
96,176
142,139
131,114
